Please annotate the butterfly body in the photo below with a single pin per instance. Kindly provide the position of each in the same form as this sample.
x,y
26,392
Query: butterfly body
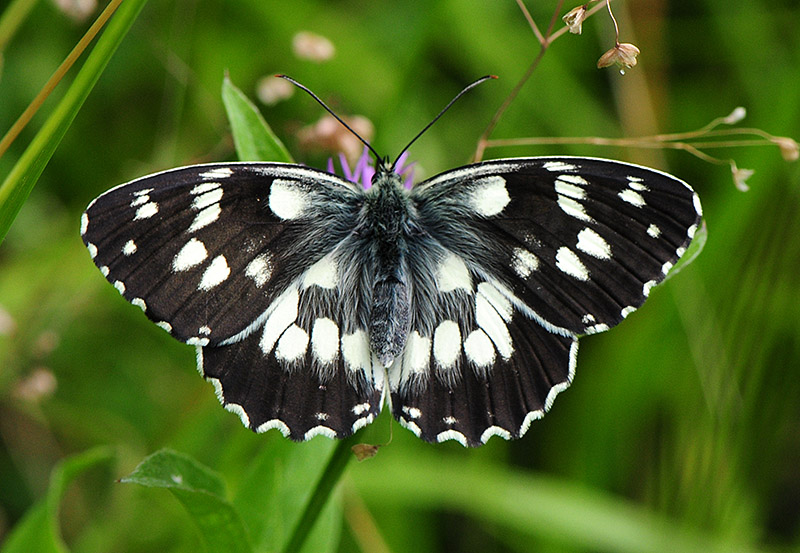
x,y
459,302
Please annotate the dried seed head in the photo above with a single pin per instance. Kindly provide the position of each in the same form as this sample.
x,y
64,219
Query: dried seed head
x,y
574,19
740,177
623,55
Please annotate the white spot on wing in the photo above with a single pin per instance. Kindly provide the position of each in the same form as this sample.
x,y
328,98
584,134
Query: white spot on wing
x,y
260,269
593,244
206,199
292,344
217,173
495,431
84,223
239,410
320,430
205,217
204,187
193,253
120,286
494,326
286,199
412,412
453,274
489,196
647,287
92,250
632,197
524,262
325,340
568,189
129,248
627,311
215,274
499,301
654,231
568,262
479,348
573,208
697,206
417,354
446,344
283,313
355,351
559,166
452,435
274,423
146,211
139,302
323,273
165,325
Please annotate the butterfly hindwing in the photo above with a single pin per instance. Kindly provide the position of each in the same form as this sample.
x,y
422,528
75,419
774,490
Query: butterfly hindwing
x,y
300,372
204,250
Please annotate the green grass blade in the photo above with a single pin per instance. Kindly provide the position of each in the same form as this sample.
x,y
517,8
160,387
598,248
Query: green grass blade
x,y
23,176
252,136
201,491
533,506
38,530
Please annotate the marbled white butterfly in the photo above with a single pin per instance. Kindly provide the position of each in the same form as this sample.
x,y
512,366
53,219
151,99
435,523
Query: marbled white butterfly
x,y
313,301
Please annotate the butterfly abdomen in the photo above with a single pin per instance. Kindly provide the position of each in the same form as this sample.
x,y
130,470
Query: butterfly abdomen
x,y
386,215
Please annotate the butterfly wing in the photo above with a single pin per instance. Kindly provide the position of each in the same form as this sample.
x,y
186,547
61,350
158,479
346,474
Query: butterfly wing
x,y
533,252
225,256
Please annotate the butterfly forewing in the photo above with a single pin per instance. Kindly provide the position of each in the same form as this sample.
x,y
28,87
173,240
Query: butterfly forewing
x,y
578,241
201,250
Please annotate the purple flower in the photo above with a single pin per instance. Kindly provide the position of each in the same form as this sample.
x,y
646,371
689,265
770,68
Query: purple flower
x,y
364,169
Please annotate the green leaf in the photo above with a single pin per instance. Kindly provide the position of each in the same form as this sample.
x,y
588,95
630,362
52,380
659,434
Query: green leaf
x,y
23,176
39,529
252,136
201,491
278,488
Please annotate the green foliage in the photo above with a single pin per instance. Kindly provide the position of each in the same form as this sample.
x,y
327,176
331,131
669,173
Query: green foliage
x,y
681,431
38,531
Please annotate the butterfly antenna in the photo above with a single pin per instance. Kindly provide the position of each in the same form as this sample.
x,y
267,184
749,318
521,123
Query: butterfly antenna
x,y
378,158
453,101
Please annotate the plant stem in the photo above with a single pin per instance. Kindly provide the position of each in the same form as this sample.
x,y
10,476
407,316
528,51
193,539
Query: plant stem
x,y
319,497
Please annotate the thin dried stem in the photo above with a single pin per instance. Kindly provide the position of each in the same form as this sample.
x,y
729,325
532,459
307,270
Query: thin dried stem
x,y
544,42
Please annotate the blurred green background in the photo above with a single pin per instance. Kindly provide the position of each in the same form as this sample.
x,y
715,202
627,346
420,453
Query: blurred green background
x,y
682,425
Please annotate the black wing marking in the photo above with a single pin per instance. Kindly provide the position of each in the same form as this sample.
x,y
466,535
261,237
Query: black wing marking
x,y
205,249
300,373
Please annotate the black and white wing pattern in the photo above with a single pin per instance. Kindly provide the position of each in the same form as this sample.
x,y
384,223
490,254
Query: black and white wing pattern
x,y
312,301
236,259
530,254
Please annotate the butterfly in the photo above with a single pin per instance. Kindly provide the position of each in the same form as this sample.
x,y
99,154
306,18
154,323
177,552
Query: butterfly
x,y
312,302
